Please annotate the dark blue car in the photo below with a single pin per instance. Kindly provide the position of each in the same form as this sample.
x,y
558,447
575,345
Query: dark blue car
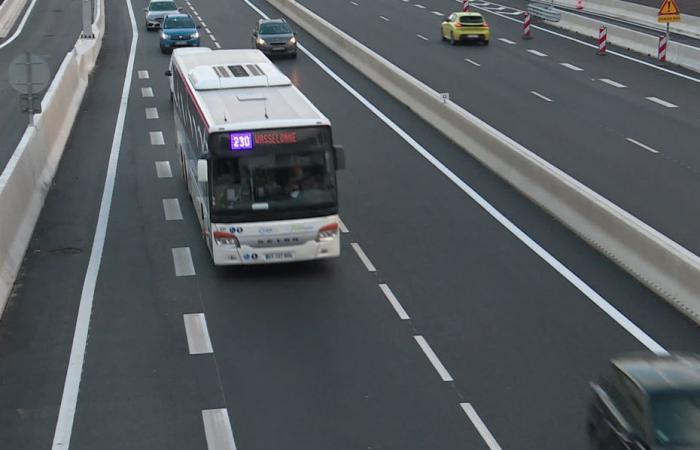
x,y
178,30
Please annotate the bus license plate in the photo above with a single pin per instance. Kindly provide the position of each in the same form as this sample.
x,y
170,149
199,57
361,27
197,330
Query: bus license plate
x,y
279,256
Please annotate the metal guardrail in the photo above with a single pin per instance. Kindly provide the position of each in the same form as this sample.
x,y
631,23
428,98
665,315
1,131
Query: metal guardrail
x,y
544,11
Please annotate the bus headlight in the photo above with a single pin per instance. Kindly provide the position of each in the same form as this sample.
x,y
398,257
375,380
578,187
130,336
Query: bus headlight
x,y
327,233
226,238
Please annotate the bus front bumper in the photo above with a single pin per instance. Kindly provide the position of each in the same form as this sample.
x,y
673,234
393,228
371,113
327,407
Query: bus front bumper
x,y
246,255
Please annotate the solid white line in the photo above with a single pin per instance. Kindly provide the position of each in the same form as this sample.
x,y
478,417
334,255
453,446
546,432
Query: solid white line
x,y
645,147
661,102
572,67
182,261
422,37
20,27
171,209
438,13
363,257
507,41
547,257
217,429
213,38
151,113
146,92
198,341
612,83
71,387
536,53
480,426
384,18
472,62
217,45
157,138
143,74
394,302
432,357
595,46
163,169
537,94
343,228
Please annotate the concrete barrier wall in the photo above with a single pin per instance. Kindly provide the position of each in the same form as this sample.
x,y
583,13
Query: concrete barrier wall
x,y
27,177
677,53
9,12
632,12
661,264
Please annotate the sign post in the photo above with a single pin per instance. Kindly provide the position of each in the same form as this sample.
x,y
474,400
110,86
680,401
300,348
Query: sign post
x,y
668,13
29,75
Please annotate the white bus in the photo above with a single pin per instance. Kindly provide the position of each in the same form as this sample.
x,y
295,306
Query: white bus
x,y
257,156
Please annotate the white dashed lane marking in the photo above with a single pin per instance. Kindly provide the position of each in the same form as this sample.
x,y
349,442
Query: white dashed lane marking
x,y
207,30
394,302
639,144
217,429
537,94
151,113
182,261
474,63
572,67
217,45
480,426
143,74
157,138
363,257
419,6
612,83
355,4
506,41
661,102
146,92
163,169
198,340
171,209
434,360
213,38
384,18
438,13
536,53
420,36
343,228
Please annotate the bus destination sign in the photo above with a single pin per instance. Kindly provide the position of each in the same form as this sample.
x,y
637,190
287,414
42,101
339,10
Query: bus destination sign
x,y
241,141
246,140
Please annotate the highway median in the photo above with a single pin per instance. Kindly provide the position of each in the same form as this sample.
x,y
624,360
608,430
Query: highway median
x,y
658,262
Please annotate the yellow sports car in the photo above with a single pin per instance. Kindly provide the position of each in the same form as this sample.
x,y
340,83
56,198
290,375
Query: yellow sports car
x,y
465,26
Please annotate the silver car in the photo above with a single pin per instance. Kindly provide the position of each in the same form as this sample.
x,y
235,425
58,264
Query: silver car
x,y
156,12
274,37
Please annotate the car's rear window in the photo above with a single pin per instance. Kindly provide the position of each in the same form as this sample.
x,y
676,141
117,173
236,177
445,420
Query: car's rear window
x,y
275,28
162,6
179,22
471,20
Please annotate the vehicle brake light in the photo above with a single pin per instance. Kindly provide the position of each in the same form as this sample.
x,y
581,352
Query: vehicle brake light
x,y
327,232
226,238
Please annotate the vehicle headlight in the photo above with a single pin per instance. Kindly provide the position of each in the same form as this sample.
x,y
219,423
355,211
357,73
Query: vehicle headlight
x,y
163,35
194,35
292,40
261,41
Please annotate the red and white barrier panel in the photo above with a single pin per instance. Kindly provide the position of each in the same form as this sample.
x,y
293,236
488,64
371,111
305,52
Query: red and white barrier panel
x,y
663,44
602,41
465,6
527,34
579,4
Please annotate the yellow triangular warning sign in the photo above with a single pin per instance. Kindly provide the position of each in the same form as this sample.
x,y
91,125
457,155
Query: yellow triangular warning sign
x,y
669,8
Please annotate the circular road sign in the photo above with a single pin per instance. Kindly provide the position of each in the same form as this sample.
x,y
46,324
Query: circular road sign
x,y
28,70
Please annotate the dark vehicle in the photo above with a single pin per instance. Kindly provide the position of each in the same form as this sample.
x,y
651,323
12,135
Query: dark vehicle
x,y
156,12
178,30
275,37
648,402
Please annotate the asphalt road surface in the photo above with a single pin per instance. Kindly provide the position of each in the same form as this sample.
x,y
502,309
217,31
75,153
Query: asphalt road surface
x,y
497,339
51,31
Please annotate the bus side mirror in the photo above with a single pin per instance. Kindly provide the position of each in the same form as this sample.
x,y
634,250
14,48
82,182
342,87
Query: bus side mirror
x,y
339,157
168,73
202,171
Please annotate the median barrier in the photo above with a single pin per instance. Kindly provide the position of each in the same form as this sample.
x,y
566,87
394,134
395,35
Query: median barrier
x,y
639,14
647,44
661,264
9,12
27,177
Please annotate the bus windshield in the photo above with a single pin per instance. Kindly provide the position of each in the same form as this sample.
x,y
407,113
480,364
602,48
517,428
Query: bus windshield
x,y
274,176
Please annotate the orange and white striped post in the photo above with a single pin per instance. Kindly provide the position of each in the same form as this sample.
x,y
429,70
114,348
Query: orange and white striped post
x,y
465,6
603,41
663,44
527,34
